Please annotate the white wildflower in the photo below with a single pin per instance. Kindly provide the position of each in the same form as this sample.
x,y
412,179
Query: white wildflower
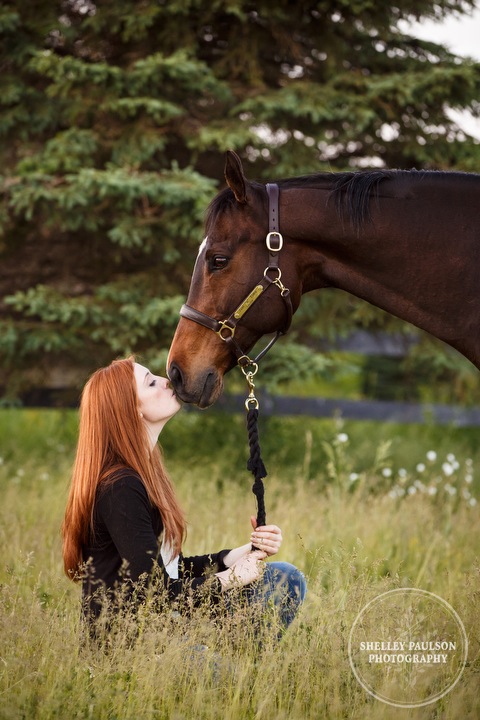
x,y
386,472
402,473
420,467
342,437
451,457
353,477
472,502
412,490
432,490
447,469
431,455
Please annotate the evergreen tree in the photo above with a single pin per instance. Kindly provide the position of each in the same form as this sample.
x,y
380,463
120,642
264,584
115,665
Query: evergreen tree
x,y
113,124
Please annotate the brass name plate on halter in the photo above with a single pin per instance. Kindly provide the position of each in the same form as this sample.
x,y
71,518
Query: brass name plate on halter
x,y
249,300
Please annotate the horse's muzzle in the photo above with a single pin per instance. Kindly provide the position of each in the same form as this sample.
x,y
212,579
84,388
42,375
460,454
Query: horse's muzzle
x,y
201,391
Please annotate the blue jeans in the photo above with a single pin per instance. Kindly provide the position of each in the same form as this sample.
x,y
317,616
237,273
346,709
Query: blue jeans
x,y
282,588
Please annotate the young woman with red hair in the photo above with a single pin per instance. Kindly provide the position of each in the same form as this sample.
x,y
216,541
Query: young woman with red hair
x,y
123,525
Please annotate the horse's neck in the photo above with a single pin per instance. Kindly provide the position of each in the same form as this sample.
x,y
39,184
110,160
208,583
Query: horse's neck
x,y
333,252
410,259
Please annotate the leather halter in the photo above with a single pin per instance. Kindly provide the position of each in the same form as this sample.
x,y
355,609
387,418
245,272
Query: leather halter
x,y
225,329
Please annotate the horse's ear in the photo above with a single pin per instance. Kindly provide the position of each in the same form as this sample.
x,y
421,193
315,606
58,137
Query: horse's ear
x,y
235,177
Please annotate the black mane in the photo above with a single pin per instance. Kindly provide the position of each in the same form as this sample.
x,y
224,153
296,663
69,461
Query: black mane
x,y
351,191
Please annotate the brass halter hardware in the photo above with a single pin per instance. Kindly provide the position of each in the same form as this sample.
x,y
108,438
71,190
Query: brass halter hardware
x,y
225,329
251,402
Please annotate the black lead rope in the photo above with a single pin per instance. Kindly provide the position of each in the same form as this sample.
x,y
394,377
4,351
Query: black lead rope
x,y
255,463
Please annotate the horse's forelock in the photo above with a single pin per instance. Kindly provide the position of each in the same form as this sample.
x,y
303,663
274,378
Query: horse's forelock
x,y
220,202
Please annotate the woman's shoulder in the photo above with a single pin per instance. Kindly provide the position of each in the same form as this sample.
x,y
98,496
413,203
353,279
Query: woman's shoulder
x,y
122,480
122,493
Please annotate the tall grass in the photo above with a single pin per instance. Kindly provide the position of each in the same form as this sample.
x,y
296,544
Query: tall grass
x,y
363,509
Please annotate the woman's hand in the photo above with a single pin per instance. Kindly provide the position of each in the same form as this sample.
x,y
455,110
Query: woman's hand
x,y
267,537
244,571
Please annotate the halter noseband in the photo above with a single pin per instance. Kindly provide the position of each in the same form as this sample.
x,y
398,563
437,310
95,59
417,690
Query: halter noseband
x,y
225,329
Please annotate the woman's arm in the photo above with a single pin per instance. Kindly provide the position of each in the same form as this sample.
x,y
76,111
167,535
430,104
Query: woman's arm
x,y
234,555
267,538
245,571
124,508
198,565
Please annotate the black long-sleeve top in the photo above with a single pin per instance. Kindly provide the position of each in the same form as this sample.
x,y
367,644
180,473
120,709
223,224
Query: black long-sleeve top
x,y
125,547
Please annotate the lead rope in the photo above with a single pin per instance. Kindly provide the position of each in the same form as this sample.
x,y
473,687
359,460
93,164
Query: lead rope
x,y
255,463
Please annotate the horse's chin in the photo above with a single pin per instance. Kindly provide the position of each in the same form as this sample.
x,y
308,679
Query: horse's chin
x,y
203,394
209,395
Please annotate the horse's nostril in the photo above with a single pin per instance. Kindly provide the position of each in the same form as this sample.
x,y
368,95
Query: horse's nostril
x,y
175,375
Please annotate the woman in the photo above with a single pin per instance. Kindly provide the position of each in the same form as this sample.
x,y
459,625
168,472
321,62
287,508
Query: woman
x,y
123,524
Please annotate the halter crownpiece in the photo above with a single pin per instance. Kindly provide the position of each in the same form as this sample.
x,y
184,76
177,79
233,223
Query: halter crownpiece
x,y
273,193
225,329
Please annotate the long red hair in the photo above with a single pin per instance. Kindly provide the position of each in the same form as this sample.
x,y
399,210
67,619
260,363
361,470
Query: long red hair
x,y
112,437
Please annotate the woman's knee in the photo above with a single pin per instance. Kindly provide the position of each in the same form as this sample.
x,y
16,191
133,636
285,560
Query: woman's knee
x,y
284,574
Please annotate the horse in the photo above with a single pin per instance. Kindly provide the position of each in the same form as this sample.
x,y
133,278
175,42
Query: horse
x,y
406,241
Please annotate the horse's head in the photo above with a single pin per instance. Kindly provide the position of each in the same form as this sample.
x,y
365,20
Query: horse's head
x,y
231,261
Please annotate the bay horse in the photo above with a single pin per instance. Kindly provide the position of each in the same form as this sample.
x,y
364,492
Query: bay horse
x,y
405,241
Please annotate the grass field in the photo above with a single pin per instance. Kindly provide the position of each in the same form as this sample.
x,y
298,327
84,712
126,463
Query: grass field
x,y
364,509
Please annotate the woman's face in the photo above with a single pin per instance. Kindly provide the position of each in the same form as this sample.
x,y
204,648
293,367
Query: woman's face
x,y
156,400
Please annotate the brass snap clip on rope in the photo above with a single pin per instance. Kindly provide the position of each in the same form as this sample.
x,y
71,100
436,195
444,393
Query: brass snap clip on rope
x,y
251,402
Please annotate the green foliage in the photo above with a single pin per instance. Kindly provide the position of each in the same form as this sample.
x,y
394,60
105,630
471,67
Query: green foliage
x,y
292,361
113,122
118,318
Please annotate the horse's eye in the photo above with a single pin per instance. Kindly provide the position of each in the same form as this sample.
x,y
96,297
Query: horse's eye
x,y
218,262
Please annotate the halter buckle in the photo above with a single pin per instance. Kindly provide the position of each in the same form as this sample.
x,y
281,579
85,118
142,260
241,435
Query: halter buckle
x,y
268,241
